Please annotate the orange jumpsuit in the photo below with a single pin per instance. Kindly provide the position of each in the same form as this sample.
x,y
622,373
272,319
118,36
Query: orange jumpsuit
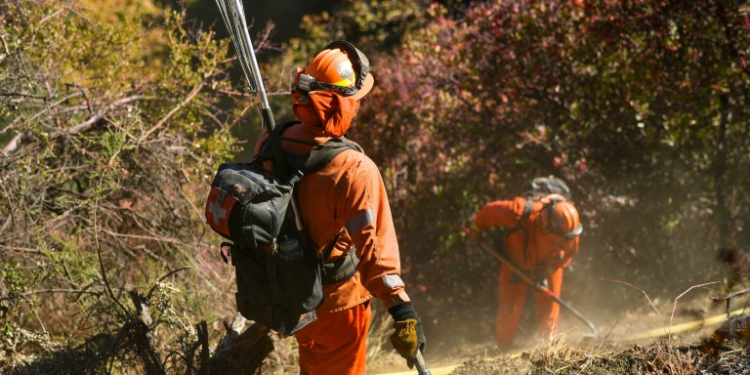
x,y
533,249
347,194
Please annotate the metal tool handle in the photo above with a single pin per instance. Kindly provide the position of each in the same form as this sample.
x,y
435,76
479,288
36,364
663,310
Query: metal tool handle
x,y
420,363
234,19
540,288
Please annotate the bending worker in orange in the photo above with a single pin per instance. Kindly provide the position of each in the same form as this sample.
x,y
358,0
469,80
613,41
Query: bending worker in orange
x,y
541,238
344,204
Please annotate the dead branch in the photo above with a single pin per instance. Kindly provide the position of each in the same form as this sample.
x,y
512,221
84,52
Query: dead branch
x,y
731,296
174,110
202,329
241,354
96,117
729,299
675,306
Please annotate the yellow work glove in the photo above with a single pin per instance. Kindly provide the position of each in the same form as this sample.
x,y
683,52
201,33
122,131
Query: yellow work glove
x,y
408,335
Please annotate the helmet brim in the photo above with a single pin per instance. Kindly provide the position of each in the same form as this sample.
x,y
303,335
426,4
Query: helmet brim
x,y
366,87
574,233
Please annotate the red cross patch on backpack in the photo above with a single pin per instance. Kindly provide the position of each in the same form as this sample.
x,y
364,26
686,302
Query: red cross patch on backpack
x,y
218,206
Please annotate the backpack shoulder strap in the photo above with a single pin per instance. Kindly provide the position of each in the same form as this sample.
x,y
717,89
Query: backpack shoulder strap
x,y
309,162
266,151
528,209
320,156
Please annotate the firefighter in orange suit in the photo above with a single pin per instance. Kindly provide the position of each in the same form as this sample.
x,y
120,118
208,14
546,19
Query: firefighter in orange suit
x,y
345,202
541,238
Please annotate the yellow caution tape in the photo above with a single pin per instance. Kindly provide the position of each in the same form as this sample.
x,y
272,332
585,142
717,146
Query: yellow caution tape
x,y
659,332
697,324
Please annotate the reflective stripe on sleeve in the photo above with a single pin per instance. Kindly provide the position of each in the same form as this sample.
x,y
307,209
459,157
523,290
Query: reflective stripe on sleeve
x,y
392,281
359,221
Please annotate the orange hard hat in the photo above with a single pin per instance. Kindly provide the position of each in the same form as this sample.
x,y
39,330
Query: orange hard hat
x,y
562,219
341,68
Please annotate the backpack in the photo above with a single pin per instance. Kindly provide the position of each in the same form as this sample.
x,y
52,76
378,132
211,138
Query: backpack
x,y
279,276
538,189
541,187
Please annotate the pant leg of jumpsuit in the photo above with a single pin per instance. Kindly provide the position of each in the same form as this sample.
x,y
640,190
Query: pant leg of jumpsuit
x,y
336,343
512,298
547,310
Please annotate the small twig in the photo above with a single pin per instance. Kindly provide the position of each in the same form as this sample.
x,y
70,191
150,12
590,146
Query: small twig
x,y
195,209
99,253
120,128
47,18
11,216
151,291
33,310
85,93
642,291
674,307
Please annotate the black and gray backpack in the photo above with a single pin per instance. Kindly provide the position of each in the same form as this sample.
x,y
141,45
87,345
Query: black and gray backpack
x,y
538,189
541,187
279,277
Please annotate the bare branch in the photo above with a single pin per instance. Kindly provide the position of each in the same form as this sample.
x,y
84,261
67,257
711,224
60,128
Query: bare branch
x,y
26,121
675,306
174,110
731,296
96,117
641,290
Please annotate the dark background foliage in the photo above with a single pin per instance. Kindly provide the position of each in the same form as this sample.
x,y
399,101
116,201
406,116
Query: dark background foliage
x,y
113,119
